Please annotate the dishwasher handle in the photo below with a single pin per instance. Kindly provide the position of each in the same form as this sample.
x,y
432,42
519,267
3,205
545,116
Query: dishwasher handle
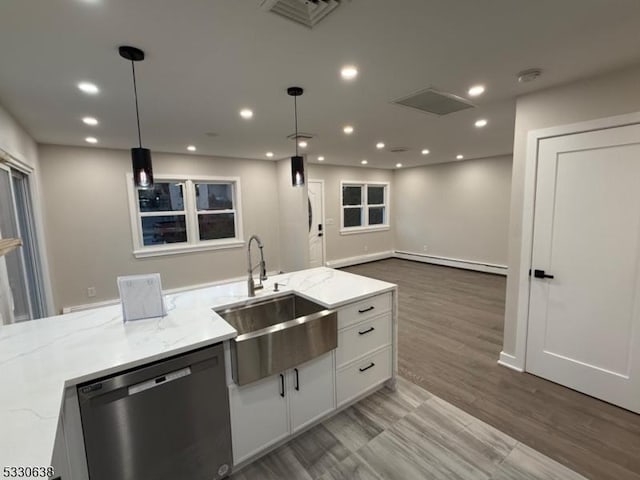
x,y
158,381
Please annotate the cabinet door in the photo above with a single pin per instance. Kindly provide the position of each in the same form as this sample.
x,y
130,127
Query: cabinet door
x,y
258,416
311,391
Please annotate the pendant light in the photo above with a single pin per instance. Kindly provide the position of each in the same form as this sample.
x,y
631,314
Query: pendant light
x,y
297,162
140,157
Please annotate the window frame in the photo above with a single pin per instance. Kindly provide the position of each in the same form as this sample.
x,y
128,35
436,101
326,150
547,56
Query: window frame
x,y
190,212
365,227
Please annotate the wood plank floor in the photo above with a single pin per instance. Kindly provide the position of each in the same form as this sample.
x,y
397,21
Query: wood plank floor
x,y
408,434
450,336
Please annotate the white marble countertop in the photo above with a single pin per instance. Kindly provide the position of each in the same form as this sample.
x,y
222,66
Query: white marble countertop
x,y
39,359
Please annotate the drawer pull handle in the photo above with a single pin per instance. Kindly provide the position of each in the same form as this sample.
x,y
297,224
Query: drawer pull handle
x,y
282,385
368,367
366,309
368,330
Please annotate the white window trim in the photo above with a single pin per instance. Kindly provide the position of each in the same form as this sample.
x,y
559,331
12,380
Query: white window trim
x,y
366,228
191,217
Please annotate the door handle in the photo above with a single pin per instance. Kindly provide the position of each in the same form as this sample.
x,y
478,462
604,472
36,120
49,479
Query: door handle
x,y
320,234
297,379
282,385
541,274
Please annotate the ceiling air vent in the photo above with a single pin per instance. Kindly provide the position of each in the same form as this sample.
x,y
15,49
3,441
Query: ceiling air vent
x,y
306,12
398,149
434,101
301,136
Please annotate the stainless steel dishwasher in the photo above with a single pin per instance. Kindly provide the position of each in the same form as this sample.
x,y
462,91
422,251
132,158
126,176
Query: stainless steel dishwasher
x,y
165,421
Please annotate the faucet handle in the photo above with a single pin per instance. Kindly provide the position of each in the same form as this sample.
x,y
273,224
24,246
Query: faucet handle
x,y
263,270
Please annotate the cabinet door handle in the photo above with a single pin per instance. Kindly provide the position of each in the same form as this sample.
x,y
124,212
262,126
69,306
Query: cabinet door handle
x,y
297,379
282,385
366,309
368,330
368,367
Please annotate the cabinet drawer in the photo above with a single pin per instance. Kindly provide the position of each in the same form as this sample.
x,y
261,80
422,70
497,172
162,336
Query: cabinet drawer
x,y
358,377
359,339
364,309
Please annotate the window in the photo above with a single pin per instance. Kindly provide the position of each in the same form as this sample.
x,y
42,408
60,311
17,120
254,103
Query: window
x,y
181,214
364,207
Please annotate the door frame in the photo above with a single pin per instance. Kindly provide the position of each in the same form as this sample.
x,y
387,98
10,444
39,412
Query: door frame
x,y
517,361
324,223
38,219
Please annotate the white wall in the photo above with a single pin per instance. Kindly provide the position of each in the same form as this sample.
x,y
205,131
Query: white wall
x,y
89,232
613,94
458,210
340,247
294,218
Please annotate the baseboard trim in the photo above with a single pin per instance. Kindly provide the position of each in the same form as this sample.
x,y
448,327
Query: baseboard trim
x,y
453,262
371,257
510,361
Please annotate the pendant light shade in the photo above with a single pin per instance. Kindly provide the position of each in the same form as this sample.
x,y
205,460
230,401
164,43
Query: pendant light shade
x,y
297,171
142,168
297,162
140,157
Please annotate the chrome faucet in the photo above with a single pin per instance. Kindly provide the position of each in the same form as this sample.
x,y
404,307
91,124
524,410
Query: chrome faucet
x,y
263,267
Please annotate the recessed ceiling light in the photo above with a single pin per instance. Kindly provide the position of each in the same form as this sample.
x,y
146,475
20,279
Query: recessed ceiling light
x,y
380,145
88,87
348,129
459,157
481,123
91,140
476,90
321,159
90,121
364,162
192,148
349,72
398,165
425,151
246,113
303,144
269,154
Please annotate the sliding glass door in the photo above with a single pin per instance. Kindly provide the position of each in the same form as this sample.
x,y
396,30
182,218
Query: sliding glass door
x,y
25,299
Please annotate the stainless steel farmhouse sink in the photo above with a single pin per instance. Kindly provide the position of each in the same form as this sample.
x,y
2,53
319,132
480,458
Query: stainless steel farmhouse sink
x,y
277,334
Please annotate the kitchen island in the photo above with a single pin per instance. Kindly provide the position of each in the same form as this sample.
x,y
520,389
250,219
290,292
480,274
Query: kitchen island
x,y
41,362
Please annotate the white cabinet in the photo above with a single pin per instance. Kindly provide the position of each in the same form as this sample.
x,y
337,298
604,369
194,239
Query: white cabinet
x,y
360,339
363,375
269,410
311,390
364,309
272,410
364,357
259,416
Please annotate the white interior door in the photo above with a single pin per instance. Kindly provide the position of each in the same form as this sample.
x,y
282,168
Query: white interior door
x,y
584,323
316,223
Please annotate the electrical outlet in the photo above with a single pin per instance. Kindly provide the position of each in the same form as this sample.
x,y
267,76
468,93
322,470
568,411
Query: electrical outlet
x,y
91,292
366,248
424,248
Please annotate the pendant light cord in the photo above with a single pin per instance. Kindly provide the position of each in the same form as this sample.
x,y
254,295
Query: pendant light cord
x,y
135,93
295,113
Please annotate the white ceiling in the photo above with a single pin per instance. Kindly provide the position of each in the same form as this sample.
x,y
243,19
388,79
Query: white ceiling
x,y
207,59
